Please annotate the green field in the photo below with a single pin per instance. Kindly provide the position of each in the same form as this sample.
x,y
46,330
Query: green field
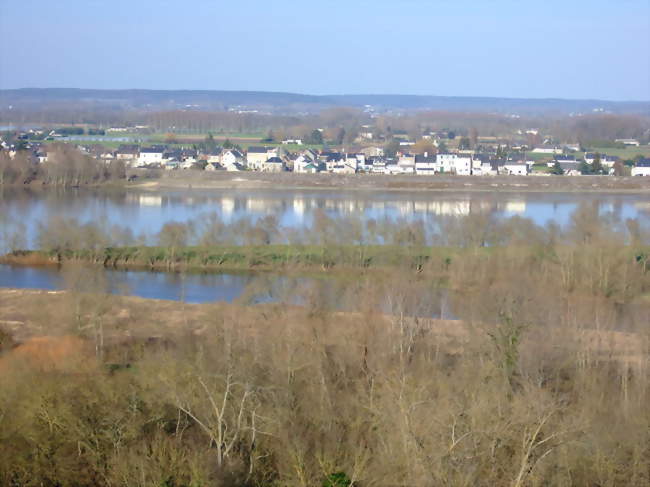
x,y
627,153
243,140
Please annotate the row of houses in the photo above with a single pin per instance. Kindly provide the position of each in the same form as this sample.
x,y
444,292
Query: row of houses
x,y
272,159
368,160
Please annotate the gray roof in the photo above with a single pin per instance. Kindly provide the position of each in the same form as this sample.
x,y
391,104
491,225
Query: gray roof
x,y
152,150
645,162
425,159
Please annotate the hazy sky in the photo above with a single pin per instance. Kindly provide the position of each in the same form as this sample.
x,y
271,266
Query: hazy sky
x,y
551,48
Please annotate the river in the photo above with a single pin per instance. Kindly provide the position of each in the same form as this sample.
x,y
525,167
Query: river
x,y
145,213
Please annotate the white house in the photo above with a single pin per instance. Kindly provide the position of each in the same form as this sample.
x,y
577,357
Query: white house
x,y
257,156
455,164
605,160
272,164
425,164
301,162
571,168
490,167
150,155
515,168
127,153
477,164
393,168
330,159
343,168
352,161
232,160
311,168
406,163
642,168
214,155
379,165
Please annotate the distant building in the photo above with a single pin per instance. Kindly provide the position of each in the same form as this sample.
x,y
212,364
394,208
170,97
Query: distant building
x,y
642,168
151,156
232,160
272,164
406,163
373,151
628,142
256,156
426,164
571,168
454,163
564,158
127,152
547,150
515,168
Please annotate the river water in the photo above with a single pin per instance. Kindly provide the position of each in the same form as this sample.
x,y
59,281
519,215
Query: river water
x,y
191,288
145,213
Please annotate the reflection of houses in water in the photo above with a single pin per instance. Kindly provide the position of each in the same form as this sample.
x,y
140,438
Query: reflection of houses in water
x,y
377,205
263,205
482,206
150,200
351,206
299,206
257,205
344,206
405,208
227,206
452,208
515,206
443,208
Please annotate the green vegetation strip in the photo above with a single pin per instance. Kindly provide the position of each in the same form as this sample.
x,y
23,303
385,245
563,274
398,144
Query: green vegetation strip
x,y
260,257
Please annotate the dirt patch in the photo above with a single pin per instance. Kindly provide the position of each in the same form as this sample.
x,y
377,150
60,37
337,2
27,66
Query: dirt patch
x,y
49,353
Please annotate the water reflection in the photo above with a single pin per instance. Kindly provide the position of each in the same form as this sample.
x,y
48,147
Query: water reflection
x,y
145,213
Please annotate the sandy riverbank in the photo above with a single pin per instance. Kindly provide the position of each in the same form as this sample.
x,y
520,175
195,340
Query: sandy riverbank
x,y
177,180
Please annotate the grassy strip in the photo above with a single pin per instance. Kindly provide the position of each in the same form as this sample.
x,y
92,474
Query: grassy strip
x,y
262,257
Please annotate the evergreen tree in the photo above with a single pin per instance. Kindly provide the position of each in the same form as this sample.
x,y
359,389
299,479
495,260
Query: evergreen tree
x,y
585,168
316,137
597,166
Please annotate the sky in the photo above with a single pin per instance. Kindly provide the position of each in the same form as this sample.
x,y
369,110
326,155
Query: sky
x,y
584,49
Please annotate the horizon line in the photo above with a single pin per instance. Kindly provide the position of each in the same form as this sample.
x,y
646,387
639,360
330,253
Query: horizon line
x,y
548,98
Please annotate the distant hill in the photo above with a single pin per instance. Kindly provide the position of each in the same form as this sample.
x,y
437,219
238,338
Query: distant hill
x,y
41,98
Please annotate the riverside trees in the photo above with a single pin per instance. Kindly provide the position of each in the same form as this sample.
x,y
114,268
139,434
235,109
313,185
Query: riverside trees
x,y
541,378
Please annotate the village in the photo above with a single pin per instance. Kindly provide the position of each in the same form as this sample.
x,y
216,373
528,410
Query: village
x,y
432,153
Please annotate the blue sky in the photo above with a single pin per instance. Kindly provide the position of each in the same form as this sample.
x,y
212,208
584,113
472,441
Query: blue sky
x,y
564,49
